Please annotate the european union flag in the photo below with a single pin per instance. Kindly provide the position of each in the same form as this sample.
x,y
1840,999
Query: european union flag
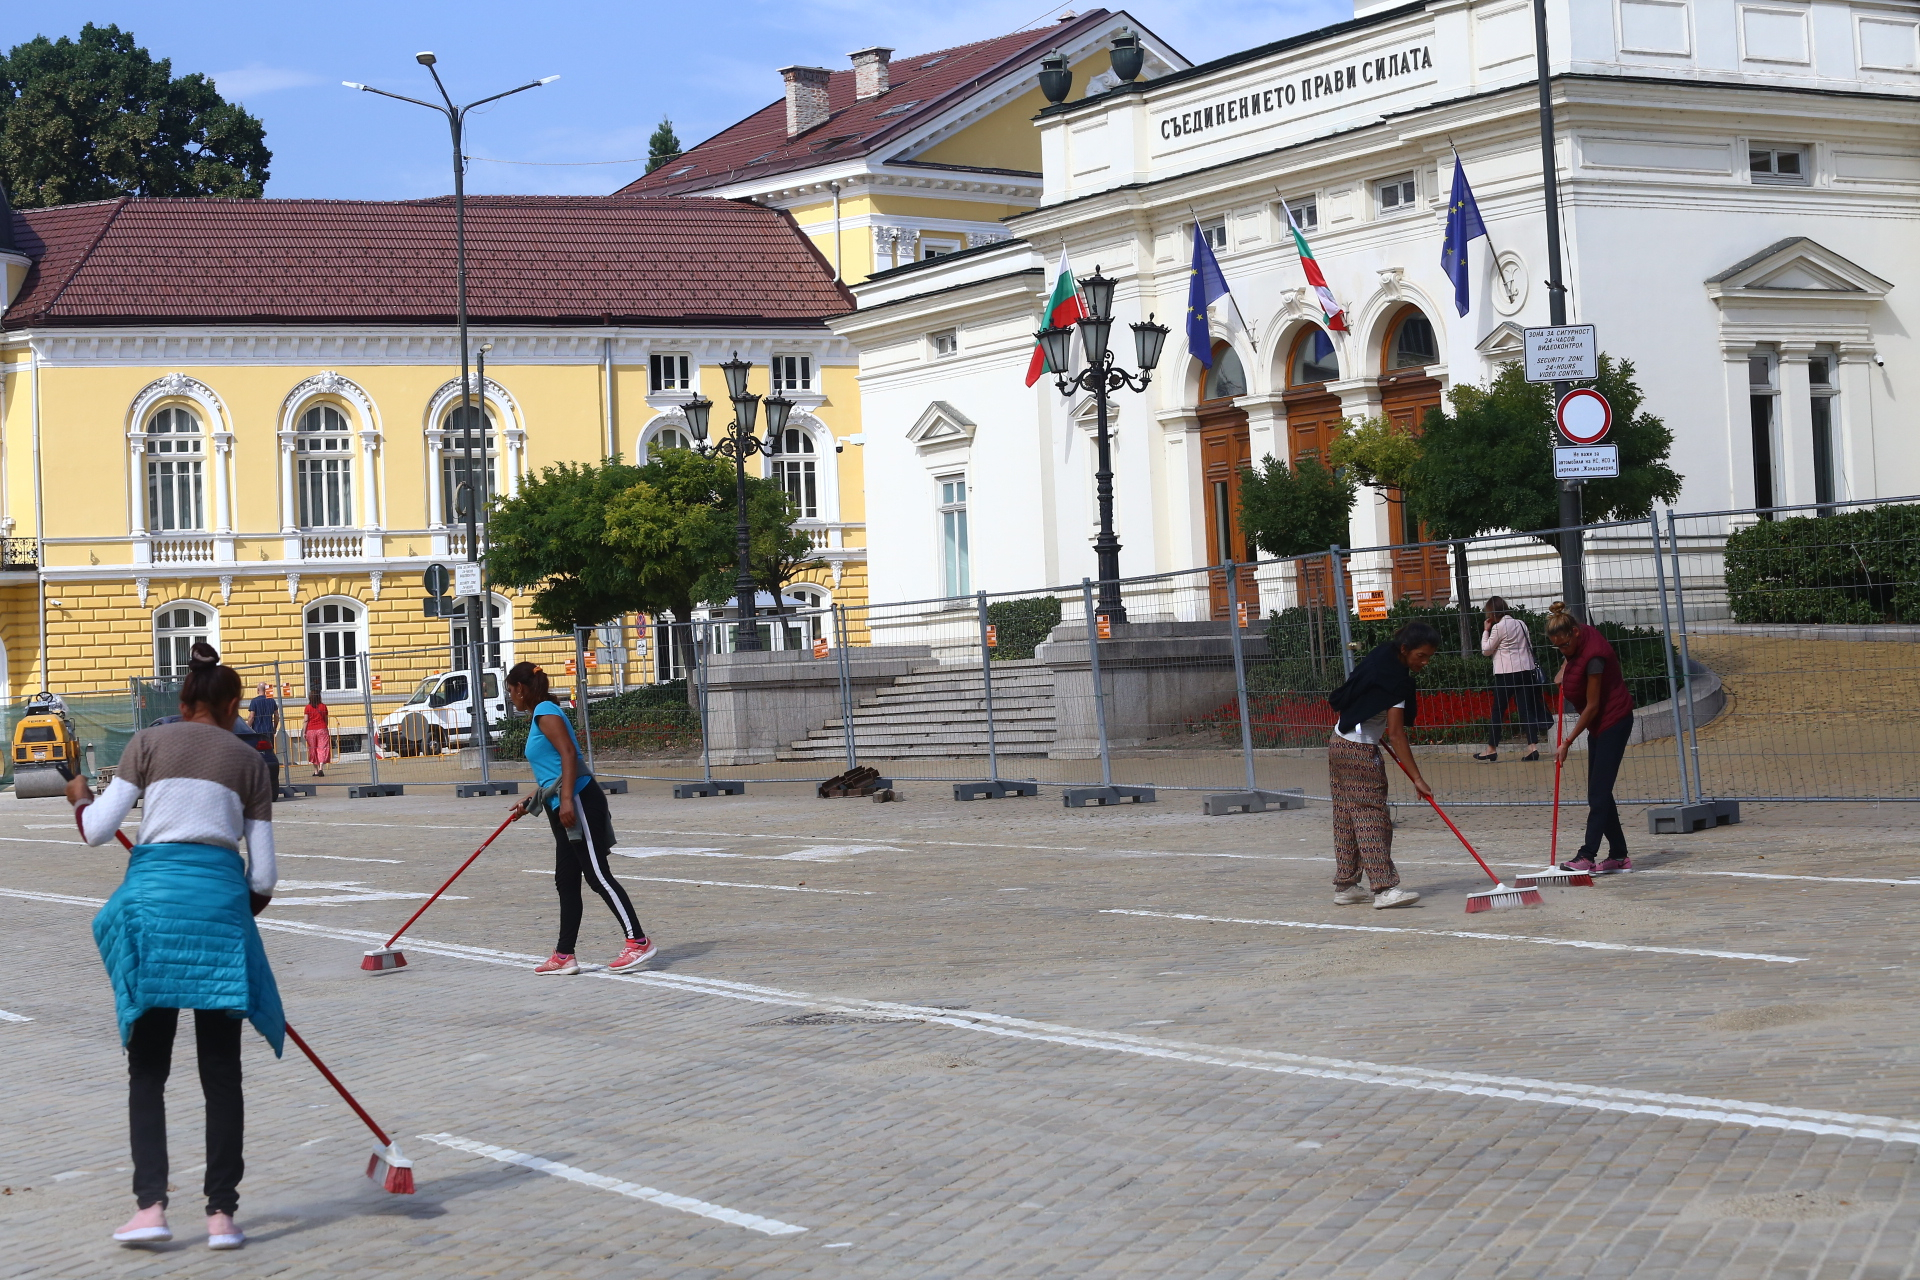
x,y
1463,224
1205,285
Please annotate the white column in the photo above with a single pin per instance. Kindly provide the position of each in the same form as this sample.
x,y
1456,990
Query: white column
x,y
137,498
1739,492
1853,425
1369,525
289,508
1796,425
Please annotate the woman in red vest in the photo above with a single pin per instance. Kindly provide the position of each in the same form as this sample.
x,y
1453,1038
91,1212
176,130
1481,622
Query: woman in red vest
x,y
1591,683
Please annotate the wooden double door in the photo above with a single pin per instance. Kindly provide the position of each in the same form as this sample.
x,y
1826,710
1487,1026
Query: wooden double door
x,y
1313,420
1226,447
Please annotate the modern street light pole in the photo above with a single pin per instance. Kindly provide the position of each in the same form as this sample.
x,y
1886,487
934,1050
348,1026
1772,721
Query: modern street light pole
x,y
1102,377
456,124
739,443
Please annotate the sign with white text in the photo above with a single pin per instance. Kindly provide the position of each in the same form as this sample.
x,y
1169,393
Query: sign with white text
x,y
1586,462
1562,353
466,578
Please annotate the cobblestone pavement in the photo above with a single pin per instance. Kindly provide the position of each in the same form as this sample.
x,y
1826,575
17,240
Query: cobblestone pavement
x,y
1008,1039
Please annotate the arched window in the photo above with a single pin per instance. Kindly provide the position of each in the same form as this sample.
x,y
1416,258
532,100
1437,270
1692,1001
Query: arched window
x,y
1412,344
460,639
475,422
793,470
175,629
176,459
324,446
669,438
333,646
1226,379
1313,359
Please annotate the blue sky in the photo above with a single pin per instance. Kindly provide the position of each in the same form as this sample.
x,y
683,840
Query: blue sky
x,y
621,66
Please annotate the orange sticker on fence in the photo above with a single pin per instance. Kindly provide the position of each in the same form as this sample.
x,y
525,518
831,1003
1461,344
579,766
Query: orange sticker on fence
x,y
570,670
993,636
820,647
1373,606
376,684
1104,629
1242,620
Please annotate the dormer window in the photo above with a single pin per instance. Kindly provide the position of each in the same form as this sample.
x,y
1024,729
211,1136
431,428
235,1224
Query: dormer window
x,y
669,373
1395,195
1777,166
793,373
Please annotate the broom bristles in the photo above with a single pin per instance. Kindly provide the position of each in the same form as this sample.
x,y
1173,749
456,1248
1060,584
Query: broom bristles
x,y
1503,899
399,1176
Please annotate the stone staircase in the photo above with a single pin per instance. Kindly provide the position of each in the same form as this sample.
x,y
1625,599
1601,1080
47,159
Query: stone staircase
x,y
938,710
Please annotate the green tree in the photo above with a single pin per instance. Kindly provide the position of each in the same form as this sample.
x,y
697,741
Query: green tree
x,y
553,537
1374,452
1488,465
1295,512
663,146
98,117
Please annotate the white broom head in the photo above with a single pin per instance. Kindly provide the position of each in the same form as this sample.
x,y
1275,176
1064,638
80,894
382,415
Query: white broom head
x,y
384,960
1501,898
1552,878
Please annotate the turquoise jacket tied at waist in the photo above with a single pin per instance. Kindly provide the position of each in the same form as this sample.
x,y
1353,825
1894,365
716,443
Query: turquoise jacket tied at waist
x,y
179,934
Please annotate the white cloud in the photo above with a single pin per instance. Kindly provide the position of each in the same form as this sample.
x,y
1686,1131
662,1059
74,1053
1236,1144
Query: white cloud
x,y
255,79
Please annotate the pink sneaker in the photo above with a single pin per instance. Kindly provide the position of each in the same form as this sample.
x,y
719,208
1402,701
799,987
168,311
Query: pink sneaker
x,y
636,953
1582,863
1613,866
557,963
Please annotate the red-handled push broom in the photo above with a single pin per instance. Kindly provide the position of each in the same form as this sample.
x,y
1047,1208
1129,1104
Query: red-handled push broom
x,y
1498,898
1554,876
399,1176
389,958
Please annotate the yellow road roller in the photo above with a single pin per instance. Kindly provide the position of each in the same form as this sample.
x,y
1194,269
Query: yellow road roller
x,y
45,754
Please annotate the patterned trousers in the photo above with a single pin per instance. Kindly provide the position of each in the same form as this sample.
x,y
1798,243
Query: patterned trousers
x,y
1362,827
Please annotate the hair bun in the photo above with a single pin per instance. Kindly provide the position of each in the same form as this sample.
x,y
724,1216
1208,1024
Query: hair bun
x,y
1557,608
204,658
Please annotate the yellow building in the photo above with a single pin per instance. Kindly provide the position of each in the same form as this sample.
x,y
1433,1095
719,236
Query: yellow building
x,y
241,419
895,160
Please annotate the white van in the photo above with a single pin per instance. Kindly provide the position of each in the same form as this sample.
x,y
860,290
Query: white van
x,y
439,715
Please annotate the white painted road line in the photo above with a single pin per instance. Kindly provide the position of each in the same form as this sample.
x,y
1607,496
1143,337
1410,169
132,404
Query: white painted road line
x,y
685,1204
13,1017
732,884
1553,1093
339,857
1466,933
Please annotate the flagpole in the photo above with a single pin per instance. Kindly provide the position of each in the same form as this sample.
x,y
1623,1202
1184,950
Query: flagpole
x,y
1498,274
1235,302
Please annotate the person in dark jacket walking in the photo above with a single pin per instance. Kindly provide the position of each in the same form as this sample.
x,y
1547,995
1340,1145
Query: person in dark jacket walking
x,y
1377,704
1592,684
179,934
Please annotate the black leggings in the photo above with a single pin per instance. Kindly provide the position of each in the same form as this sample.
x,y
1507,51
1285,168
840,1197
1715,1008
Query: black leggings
x,y
1605,751
149,1061
1521,691
574,859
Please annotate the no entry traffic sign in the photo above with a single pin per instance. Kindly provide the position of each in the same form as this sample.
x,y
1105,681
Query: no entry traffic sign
x,y
1584,416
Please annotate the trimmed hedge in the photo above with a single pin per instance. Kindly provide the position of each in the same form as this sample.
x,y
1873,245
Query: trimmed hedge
x,y
1020,626
1850,567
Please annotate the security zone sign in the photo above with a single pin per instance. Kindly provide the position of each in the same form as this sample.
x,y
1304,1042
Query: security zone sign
x,y
1562,353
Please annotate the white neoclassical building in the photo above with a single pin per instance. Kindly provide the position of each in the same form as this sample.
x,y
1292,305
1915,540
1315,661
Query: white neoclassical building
x,y
1739,184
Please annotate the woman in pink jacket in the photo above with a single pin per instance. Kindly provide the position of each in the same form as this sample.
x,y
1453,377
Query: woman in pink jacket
x,y
1516,680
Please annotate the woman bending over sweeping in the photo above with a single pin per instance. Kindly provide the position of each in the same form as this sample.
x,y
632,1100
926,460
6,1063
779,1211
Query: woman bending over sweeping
x,y
576,809
179,932
1592,684
1377,704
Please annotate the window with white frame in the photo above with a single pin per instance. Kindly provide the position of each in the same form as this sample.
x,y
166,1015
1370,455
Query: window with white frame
x,y
1215,234
794,470
176,461
470,424
324,449
176,629
669,373
1763,396
1394,195
461,640
944,343
668,438
932,248
333,646
1306,212
1777,166
955,574
1823,387
793,373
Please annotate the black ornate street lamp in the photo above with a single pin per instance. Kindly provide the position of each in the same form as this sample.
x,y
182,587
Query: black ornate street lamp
x,y
739,443
1102,377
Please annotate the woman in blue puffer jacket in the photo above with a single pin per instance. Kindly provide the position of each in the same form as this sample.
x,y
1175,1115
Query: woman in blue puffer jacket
x,y
179,932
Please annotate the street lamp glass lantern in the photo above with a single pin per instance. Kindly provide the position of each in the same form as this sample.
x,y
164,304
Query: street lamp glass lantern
x,y
736,370
1148,339
745,410
1094,332
697,410
778,409
1098,290
1056,347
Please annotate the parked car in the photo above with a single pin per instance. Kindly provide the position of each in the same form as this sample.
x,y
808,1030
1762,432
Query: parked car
x,y
439,715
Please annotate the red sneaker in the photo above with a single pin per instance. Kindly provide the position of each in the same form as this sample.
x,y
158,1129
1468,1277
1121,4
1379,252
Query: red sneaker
x,y
557,963
636,953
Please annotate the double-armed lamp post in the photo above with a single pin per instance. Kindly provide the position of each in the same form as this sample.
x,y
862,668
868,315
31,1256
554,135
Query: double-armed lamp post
x,y
739,443
1101,378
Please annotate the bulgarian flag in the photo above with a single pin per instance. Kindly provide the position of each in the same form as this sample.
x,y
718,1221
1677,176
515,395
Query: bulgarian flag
x,y
1336,315
1063,308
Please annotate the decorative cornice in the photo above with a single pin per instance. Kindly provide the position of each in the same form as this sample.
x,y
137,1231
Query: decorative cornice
x,y
177,386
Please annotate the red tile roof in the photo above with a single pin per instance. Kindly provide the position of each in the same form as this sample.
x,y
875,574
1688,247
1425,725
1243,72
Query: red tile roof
x,y
926,84
530,260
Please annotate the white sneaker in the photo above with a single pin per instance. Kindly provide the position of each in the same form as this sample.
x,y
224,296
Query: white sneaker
x,y
1354,895
1395,897
227,1240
